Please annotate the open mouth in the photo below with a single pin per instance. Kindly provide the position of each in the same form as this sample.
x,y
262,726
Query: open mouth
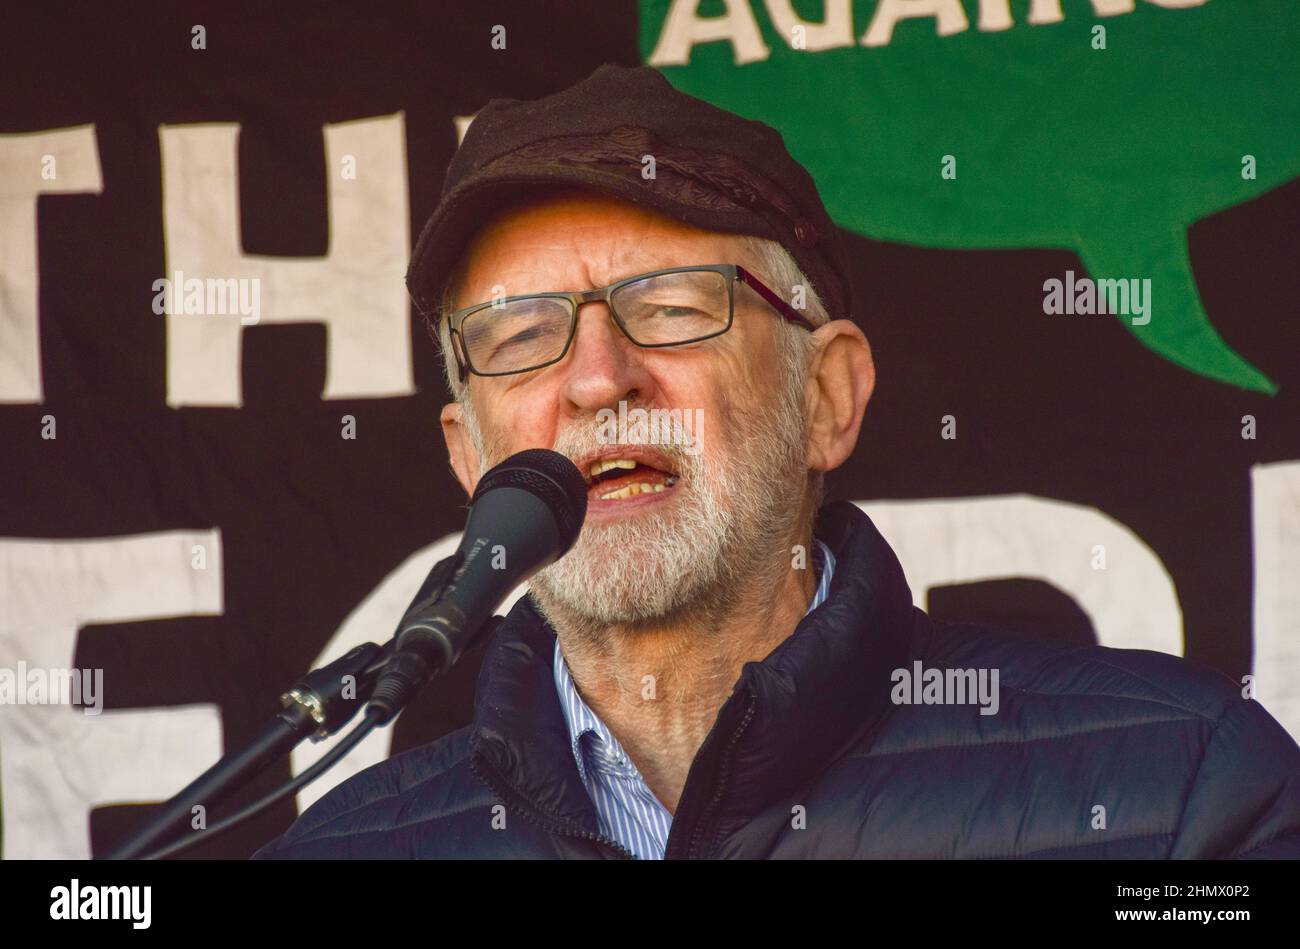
x,y
621,479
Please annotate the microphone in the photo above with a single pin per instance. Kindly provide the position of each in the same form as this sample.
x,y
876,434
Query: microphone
x,y
526,513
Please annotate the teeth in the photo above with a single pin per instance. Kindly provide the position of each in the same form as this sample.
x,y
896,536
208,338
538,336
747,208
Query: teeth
x,y
603,466
631,491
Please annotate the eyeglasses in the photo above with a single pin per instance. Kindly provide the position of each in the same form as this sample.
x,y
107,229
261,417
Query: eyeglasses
x,y
670,307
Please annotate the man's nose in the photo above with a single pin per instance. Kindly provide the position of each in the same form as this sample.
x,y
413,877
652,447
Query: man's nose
x,y
604,366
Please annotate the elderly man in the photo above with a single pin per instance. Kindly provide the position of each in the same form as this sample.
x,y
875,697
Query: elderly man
x,y
722,667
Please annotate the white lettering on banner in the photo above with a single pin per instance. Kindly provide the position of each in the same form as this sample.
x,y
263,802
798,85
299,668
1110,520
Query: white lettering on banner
x,y
75,171
463,122
683,28
835,30
57,764
357,290
1132,604
1275,515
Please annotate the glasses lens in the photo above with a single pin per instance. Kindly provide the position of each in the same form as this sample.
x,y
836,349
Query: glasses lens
x,y
674,307
517,334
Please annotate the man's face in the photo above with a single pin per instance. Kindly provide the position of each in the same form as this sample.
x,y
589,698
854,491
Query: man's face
x,y
689,519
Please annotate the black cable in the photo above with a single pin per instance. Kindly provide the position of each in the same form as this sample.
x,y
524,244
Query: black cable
x,y
346,744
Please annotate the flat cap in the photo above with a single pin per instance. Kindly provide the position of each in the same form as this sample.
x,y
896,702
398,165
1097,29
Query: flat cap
x,y
711,168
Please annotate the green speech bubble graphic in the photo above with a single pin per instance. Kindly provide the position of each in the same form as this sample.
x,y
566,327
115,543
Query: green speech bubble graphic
x,y
1103,126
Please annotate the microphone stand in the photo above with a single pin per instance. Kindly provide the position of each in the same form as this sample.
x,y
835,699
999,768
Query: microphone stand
x,y
316,706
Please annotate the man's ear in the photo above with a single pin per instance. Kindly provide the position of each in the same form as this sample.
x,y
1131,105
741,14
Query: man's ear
x,y
840,382
460,448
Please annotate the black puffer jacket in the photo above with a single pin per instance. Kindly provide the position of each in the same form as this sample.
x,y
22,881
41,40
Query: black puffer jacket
x,y
811,757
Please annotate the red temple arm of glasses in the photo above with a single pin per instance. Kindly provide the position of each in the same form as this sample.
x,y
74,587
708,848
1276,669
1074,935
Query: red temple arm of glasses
x,y
780,305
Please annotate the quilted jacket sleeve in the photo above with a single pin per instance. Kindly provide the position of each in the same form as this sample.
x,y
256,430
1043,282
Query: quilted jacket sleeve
x,y
1245,799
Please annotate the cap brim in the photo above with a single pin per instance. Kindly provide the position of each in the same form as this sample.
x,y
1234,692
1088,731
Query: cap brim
x,y
471,204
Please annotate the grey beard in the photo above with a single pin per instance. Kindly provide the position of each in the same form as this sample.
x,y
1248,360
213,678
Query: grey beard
x,y
726,533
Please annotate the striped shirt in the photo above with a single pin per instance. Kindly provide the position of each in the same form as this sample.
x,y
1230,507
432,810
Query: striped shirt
x,y
628,810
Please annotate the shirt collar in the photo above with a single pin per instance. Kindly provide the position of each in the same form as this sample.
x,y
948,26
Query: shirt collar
x,y
602,751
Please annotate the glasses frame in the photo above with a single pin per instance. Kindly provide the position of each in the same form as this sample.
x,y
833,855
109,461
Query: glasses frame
x,y
576,298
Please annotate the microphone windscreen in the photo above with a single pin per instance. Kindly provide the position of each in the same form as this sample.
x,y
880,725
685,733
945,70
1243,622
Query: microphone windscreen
x,y
552,478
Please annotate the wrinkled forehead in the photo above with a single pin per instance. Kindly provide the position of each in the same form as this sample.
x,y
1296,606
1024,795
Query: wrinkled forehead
x,y
574,239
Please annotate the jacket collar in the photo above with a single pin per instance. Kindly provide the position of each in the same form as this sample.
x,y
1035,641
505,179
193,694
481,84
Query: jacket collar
x,y
785,721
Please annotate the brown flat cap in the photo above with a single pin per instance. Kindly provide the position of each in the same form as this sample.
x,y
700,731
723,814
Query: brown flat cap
x,y
712,169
